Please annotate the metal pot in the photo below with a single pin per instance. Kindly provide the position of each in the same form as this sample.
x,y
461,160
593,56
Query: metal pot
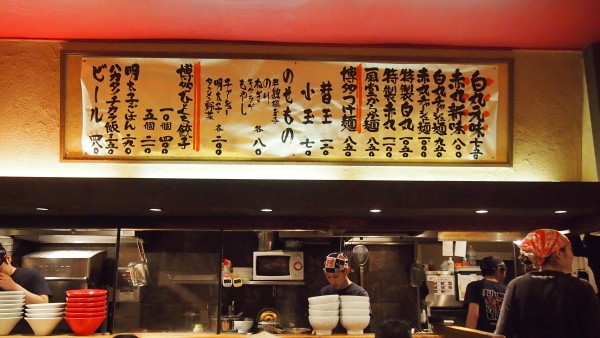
x,y
266,239
270,327
292,244
297,330
226,323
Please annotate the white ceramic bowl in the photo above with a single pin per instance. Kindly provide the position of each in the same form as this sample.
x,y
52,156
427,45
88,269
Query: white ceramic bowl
x,y
355,324
44,310
355,305
45,305
10,314
354,299
7,324
323,313
12,296
326,307
43,326
323,325
11,302
323,299
355,312
11,309
12,293
242,326
44,315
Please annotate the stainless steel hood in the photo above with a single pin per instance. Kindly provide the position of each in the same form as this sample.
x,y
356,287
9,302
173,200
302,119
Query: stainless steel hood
x,y
70,236
67,264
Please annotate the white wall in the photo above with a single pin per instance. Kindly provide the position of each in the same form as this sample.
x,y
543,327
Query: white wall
x,y
547,127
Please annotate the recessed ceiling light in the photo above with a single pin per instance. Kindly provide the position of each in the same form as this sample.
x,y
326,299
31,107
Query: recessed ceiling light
x,y
266,210
560,211
481,211
42,209
375,210
155,209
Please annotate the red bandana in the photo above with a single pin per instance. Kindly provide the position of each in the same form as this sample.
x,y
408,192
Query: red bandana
x,y
542,243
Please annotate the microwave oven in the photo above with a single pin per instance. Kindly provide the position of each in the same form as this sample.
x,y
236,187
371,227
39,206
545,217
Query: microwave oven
x,y
278,265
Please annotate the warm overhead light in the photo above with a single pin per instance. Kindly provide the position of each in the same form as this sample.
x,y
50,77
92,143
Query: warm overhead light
x,y
375,210
42,209
155,209
266,210
481,211
560,211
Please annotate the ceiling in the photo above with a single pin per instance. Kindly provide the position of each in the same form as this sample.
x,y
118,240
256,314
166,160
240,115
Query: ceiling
x,y
295,204
515,24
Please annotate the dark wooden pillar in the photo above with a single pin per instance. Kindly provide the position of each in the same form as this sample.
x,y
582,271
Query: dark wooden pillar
x,y
591,59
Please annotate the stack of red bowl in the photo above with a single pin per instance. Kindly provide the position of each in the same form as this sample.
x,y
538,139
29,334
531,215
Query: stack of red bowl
x,y
85,310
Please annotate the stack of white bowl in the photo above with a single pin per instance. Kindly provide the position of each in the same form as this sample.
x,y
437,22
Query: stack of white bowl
x,y
355,313
11,310
323,313
44,317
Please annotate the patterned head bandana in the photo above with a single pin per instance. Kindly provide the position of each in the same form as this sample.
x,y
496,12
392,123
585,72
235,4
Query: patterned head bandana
x,y
335,262
542,243
3,255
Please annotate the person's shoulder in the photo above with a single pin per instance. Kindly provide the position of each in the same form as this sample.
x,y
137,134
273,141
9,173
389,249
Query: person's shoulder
x,y
29,272
326,290
357,290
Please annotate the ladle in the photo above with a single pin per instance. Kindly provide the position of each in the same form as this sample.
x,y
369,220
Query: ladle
x,y
361,256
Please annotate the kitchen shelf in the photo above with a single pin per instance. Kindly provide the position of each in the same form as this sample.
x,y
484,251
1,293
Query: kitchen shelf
x,y
271,282
168,277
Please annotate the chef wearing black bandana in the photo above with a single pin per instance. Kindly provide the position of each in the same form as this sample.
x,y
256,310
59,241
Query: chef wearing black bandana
x,y
336,271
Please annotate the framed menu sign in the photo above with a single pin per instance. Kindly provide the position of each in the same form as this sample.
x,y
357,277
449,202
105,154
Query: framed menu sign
x,y
227,109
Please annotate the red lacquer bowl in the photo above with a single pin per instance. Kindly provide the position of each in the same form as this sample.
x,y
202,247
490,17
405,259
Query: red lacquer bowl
x,y
85,299
84,326
86,293
71,314
91,304
86,309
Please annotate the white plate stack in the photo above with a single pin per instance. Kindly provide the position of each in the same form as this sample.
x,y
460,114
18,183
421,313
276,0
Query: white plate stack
x,y
355,313
323,313
11,310
44,317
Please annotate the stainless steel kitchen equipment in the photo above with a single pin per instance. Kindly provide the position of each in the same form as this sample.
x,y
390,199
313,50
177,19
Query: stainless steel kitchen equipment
x,y
132,274
66,270
360,253
266,239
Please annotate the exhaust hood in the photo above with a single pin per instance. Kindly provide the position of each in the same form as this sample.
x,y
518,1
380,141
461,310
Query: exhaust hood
x,y
73,236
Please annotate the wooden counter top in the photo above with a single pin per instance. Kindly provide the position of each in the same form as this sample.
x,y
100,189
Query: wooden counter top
x,y
223,335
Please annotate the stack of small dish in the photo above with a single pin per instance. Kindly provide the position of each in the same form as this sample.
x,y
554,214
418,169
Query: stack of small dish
x,y
86,310
44,317
11,310
355,313
323,313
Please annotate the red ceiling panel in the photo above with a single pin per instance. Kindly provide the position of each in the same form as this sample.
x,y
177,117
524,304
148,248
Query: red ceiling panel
x,y
520,24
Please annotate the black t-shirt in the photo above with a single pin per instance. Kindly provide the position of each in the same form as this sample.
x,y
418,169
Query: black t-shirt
x,y
488,295
549,304
351,290
32,280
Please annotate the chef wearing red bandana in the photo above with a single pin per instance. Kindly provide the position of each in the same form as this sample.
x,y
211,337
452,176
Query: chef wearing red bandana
x,y
549,302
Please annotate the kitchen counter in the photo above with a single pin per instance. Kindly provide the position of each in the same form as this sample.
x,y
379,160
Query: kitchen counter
x,y
223,335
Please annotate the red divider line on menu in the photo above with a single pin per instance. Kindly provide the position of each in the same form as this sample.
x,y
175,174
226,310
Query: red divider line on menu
x,y
359,93
197,105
